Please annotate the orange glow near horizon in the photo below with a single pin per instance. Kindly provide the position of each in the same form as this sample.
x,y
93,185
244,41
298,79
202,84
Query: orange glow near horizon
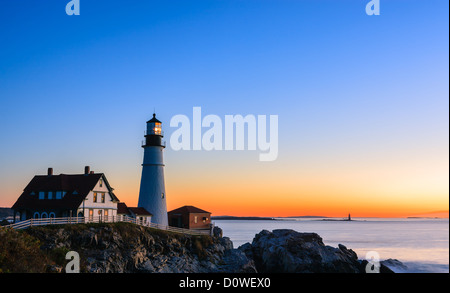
x,y
251,196
282,189
268,200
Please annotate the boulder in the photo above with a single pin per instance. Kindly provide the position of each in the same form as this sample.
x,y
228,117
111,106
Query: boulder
x,y
288,251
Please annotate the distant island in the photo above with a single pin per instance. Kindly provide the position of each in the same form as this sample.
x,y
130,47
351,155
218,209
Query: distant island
x,y
6,212
305,217
263,218
424,218
241,218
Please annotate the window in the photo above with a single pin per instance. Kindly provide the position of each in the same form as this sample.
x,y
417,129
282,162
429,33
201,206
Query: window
x,y
95,197
41,194
101,182
162,195
50,195
205,219
58,194
155,128
195,219
91,214
103,197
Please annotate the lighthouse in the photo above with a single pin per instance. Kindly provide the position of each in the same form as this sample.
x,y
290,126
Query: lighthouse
x,y
152,194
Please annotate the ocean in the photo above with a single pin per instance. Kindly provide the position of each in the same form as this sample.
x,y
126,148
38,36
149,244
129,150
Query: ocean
x,y
421,244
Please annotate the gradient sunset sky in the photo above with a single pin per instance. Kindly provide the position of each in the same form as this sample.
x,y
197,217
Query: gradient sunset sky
x,y
362,101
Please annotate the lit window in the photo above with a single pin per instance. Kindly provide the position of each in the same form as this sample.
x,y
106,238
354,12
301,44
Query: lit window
x,y
195,219
95,197
103,197
155,128
101,182
158,128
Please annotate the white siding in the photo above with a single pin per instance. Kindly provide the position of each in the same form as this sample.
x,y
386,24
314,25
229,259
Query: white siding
x,y
99,205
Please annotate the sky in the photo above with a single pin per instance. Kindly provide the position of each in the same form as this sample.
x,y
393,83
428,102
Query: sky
x,y
362,101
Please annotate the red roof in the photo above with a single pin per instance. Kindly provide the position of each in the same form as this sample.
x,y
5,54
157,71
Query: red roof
x,y
76,186
189,210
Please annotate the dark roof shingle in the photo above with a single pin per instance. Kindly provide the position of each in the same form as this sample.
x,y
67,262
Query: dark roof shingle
x,y
122,209
188,210
76,186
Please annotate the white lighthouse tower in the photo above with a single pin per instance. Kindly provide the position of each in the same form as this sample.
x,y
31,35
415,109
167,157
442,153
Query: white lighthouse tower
x,y
152,195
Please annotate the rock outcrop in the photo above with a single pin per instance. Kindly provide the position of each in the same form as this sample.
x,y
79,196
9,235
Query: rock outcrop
x,y
288,251
128,248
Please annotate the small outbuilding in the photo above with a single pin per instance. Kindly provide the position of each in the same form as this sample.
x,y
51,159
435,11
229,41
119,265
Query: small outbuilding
x,y
140,214
190,217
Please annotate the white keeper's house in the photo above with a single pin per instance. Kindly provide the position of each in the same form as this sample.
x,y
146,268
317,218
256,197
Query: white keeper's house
x,y
75,195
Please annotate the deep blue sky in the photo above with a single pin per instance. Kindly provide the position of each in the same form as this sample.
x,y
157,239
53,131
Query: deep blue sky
x,y
77,90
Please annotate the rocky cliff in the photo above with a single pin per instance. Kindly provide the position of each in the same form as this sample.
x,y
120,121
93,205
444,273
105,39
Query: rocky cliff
x,y
128,248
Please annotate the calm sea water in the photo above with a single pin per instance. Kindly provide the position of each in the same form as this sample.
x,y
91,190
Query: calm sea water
x,y
421,244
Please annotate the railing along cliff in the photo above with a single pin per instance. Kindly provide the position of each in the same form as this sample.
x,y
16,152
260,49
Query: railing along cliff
x,y
110,219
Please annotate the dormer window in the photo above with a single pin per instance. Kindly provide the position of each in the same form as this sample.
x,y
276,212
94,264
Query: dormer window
x,y
101,182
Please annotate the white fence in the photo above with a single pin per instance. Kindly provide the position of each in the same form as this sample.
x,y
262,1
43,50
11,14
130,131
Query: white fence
x,y
105,219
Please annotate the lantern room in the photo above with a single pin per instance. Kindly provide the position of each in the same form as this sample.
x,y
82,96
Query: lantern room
x,y
154,126
154,133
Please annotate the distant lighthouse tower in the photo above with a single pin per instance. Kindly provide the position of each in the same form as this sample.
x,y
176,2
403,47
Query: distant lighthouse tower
x,y
152,195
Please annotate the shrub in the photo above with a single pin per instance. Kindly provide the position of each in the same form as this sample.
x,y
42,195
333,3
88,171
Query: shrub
x,y
20,253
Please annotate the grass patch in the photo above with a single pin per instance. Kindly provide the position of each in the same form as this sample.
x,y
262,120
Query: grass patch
x,y
200,244
20,253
